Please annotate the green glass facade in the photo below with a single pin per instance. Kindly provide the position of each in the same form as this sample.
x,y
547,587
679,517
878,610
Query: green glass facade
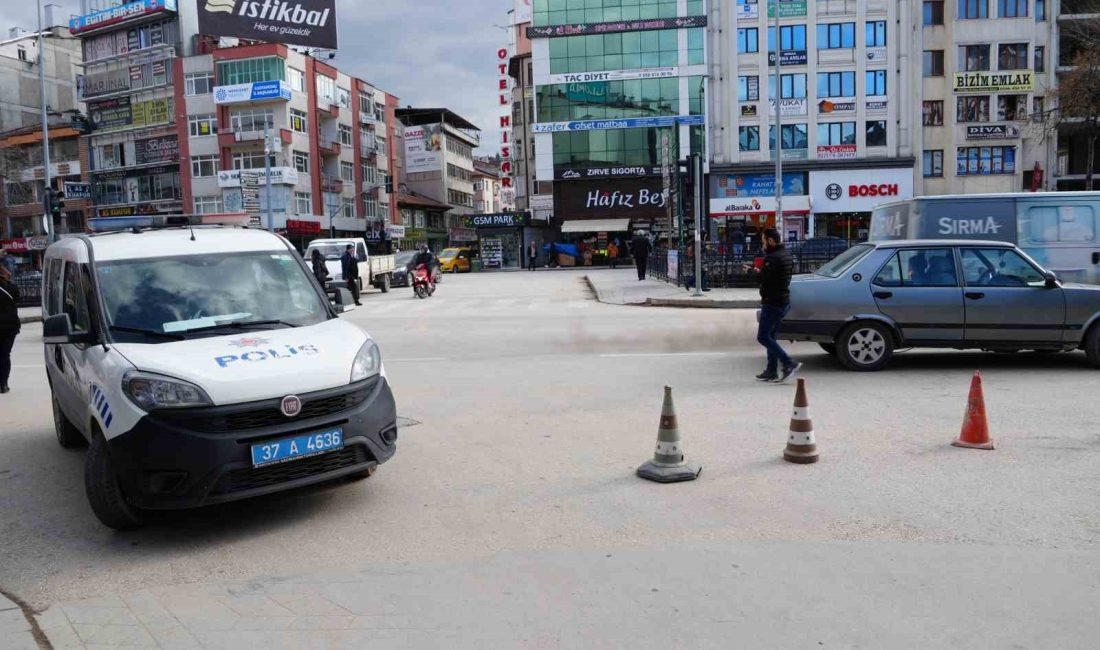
x,y
630,147
617,99
244,71
576,12
624,51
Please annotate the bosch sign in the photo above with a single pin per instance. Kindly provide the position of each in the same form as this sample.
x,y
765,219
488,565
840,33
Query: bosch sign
x,y
882,189
834,191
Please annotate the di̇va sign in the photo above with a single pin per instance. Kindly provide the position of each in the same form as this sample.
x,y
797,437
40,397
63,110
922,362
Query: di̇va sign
x,y
297,22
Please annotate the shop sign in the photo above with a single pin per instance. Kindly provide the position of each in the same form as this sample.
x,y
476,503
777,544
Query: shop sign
x,y
157,150
729,185
992,132
994,82
830,106
876,55
251,92
611,198
623,123
673,263
104,83
151,113
303,227
747,9
742,206
788,57
423,148
556,31
876,104
523,12
303,22
279,176
836,151
117,174
541,201
853,190
614,75
788,107
120,13
748,110
14,245
110,113
77,191
504,84
133,210
462,234
787,8
580,173
394,231
498,220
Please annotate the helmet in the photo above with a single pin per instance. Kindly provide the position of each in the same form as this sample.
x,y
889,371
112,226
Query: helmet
x,y
423,248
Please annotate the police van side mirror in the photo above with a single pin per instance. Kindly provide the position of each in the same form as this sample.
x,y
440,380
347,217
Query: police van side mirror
x,y
58,329
1051,278
342,300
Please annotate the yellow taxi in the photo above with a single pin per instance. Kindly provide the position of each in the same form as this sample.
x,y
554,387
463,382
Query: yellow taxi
x,y
455,260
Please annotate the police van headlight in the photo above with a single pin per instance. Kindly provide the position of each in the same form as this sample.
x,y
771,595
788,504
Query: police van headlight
x,y
149,391
368,362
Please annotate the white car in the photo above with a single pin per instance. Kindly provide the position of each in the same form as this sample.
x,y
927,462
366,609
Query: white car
x,y
205,365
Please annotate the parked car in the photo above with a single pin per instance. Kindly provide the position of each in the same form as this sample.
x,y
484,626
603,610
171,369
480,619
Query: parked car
x,y
878,297
456,260
401,270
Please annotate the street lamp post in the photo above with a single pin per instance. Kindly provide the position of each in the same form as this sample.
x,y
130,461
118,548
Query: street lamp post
x,y
46,213
778,124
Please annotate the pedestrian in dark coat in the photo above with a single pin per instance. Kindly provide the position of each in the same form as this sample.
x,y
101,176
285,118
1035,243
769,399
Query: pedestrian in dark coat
x,y
9,324
640,248
775,302
532,256
349,268
320,271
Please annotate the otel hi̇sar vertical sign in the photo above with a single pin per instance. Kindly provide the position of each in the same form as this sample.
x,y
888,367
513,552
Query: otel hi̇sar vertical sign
x,y
504,87
297,22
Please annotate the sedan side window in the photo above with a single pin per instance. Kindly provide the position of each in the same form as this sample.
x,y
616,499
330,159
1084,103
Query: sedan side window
x,y
890,275
933,267
999,267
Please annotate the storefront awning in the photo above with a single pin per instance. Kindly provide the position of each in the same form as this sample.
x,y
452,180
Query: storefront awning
x,y
596,225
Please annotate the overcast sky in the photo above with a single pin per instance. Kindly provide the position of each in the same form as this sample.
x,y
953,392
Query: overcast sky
x,y
429,53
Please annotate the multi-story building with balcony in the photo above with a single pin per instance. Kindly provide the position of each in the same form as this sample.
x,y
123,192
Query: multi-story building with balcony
x,y
186,123
1078,22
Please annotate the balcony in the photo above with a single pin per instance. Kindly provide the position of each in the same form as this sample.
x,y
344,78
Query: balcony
x,y
329,148
836,7
230,138
328,110
333,184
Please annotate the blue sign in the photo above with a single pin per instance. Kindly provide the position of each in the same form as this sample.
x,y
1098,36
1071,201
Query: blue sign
x,y
118,14
252,92
731,185
622,123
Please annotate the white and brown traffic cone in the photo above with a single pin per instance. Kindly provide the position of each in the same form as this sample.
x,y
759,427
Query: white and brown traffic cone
x,y
668,464
801,446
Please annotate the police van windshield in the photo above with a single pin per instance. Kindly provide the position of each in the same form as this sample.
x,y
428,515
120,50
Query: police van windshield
x,y
172,298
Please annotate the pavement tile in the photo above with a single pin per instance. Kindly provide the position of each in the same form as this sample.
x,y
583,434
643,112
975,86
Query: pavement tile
x,y
309,604
149,611
198,608
360,598
263,623
100,615
12,621
257,605
58,629
119,635
174,638
323,623
19,641
6,604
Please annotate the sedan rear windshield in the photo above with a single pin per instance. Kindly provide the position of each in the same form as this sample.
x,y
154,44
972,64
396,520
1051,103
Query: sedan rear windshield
x,y
841,263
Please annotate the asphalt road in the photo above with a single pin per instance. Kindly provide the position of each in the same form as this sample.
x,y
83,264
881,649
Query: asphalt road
x,y
535,404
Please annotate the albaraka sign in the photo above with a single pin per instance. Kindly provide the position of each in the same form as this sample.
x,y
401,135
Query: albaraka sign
x,y
504,87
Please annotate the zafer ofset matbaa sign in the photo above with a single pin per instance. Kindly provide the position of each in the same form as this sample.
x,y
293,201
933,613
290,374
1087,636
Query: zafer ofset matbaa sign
x,y
298,22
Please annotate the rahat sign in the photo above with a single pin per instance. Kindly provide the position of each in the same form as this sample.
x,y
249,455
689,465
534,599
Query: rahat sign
x,y
297,22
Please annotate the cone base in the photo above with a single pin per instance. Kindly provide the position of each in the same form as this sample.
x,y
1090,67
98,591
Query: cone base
x,y
669,473
800,457
973,445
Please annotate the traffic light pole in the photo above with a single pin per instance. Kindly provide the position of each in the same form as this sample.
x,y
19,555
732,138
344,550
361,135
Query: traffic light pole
x,y
697,215
47,207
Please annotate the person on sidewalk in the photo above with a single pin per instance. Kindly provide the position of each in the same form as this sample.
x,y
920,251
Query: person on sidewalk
x,y
640,248
612,254
9,324
775,302
532,255
349,267
738,240
317,263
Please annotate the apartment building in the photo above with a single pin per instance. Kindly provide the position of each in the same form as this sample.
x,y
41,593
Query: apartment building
x,y
531,194
1076,19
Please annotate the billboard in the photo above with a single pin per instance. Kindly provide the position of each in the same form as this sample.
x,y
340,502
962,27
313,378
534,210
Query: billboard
x,y
251,92
110,113
994,82
296,22
556,31
635,198
119,13
423,148
157,150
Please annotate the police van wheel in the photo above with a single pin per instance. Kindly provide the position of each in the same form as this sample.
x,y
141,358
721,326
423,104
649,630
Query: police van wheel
x,y
367,473
68,436
104,493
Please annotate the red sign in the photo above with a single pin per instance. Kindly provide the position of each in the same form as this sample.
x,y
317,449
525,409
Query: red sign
x,y
303,227
14,245
505,120
882,189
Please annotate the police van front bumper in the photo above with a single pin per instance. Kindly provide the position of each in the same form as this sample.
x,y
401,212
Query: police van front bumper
x,y
185,458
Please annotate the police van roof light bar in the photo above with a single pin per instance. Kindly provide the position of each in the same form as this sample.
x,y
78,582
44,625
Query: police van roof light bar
x,y
116,224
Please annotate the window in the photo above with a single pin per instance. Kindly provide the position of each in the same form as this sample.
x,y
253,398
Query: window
x,y
22,54
923,267
251,160
830,133
1012,8
343,132
932,164
73,301
876,133
208,204
933,63
370,174
983,161
933,12
343,97
204,166
1061,224
973,57
749,138
933,112
836,84
1040,58
1040,10
999,267
791,37
252,120
748,88
202,125
875,82
244,71
973,9
972,109
298,121
347,171
875,33
1012,56
832,36
1038,110
370,207
795,136
296,79
1012,108
301,161
326,90
303,203
198,83
747,40
793,86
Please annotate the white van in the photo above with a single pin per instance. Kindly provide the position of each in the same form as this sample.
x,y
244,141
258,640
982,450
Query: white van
x,y
204,365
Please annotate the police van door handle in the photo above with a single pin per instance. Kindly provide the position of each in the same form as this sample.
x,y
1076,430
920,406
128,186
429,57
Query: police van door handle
x,y
883,295
975,295
58,358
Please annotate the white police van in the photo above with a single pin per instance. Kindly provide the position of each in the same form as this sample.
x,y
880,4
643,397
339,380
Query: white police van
x,y
204,364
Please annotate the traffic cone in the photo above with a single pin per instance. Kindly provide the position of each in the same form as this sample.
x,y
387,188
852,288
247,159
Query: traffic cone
x,y
668,464
975,428
801,446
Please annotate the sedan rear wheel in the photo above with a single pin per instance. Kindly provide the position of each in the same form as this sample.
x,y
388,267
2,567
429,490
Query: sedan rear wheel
x,y
866,346
1092,345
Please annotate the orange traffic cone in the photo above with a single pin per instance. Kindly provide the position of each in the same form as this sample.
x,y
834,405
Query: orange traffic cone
x,y
801,445
975,428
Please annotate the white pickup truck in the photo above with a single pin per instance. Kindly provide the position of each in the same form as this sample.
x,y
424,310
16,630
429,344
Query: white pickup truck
x,y
375,270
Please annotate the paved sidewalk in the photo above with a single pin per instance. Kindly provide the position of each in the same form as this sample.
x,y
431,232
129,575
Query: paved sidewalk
x,y
621,287
15,631
30,314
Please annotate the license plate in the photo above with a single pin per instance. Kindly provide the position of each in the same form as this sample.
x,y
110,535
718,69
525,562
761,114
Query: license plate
x,y
288,449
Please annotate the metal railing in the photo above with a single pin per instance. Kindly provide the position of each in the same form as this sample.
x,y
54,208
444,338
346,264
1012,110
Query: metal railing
x,y
30,291
724,267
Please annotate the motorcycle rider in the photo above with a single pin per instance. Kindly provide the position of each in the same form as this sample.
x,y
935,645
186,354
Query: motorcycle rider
x,y
427,258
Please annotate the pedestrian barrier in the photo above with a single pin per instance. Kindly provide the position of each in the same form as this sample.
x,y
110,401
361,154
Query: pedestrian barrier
x,y
724,267
801,446
30,291
668,464
975,426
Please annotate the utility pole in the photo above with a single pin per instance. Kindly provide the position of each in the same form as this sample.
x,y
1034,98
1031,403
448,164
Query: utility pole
x,y
46,209
267,178
778,125
696,161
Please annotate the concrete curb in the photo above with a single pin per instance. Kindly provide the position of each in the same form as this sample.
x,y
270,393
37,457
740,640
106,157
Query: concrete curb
x,y
695,303
18,625
30,319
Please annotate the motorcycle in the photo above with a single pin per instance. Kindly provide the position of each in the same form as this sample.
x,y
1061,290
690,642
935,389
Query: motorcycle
x,y
422,282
